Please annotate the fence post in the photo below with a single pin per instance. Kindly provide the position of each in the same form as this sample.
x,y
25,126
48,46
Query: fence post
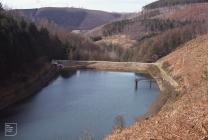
x,y
136,84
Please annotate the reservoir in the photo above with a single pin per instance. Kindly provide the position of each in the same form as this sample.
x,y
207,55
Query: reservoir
x,y
81,104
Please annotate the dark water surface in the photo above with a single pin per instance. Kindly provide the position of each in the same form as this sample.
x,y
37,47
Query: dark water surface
x,y
85,102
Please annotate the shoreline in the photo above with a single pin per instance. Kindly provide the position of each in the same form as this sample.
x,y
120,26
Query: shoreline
x,y
167,86
25,90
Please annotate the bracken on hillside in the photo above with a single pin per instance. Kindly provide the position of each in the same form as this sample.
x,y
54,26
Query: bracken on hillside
x,y
187,117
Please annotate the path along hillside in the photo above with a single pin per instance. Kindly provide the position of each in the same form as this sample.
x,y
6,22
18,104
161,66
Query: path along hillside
x,y
186,115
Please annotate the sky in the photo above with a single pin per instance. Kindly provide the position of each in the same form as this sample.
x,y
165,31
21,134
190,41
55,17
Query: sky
x,y
105,5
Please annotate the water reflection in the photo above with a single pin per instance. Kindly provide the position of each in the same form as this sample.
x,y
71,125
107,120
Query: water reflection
x,y
82,103
67,74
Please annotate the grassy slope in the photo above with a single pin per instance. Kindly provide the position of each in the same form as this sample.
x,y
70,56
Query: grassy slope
x,y
187,117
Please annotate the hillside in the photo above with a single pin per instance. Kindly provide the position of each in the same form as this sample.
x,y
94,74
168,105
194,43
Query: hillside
x,y
70,18
166,3
192,12
186,115
157,31
155,20
171,33
23,46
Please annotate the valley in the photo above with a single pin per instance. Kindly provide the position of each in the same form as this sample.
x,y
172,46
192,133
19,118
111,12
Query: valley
x,y
66,51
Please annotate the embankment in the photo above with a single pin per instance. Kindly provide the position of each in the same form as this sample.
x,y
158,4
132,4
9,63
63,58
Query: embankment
x,y
19,91
184,117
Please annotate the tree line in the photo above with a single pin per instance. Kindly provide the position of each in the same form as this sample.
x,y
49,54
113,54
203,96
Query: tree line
x,y
161,39
22,44
164,3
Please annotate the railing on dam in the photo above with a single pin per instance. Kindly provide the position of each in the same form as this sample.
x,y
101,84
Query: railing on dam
x,y
151,81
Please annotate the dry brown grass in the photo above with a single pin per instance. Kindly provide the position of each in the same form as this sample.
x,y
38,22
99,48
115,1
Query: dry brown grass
x,y
188,118
123,41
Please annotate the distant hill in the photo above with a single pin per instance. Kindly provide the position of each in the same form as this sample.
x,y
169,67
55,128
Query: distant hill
x,y
70,18
24,47
157,32
165,3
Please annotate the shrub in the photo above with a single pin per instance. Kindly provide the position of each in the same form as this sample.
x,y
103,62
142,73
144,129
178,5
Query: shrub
x,y
166,66
96,38
205,73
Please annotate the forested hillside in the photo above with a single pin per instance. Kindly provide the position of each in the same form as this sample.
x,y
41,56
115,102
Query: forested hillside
x,y
157,31
22,44
24,47
70,18
164,3
154,33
